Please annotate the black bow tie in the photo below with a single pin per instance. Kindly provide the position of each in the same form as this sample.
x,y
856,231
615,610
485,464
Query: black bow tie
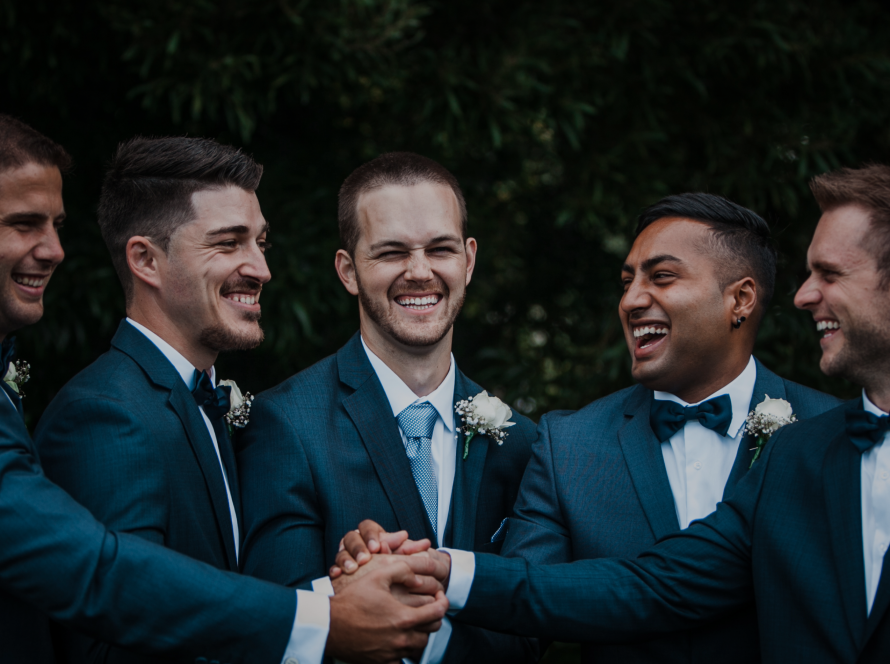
x,y
668,417
866,429
214,401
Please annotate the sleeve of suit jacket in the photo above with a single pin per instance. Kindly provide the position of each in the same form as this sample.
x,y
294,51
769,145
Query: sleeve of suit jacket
x,y
688,577
283,525
120,588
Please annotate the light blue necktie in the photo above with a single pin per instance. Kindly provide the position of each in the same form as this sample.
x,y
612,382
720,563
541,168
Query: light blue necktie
x,y
417,422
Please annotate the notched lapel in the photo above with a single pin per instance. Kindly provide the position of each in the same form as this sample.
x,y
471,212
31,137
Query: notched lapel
x,y
199,438
467,478
642,453
843,502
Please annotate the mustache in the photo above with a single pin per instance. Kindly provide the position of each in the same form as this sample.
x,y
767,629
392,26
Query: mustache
x,y
402,287
240,284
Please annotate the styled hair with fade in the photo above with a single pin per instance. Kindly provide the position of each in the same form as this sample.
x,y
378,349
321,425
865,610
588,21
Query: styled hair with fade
x,y
392,168
740,239
869,188
149,185
21,145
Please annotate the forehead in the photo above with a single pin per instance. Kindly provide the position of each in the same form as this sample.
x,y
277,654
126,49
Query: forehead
x,y
841,237
408,213
32,188
674,236
224,207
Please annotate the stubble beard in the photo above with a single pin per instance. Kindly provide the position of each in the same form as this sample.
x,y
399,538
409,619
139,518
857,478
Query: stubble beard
x,y
387,321
220,338
861,359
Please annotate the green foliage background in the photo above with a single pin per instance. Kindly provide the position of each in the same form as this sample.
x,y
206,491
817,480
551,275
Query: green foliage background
x,y
562,119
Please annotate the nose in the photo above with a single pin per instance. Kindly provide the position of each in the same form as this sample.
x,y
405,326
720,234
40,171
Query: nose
x,y
48,249
808,295
419,268
255,267
635,297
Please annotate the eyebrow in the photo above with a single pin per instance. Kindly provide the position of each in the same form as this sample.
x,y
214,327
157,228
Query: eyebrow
x,y
238,230
396,244
649,263
24,217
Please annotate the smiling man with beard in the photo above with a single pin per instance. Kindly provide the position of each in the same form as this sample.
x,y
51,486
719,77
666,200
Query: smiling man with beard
x,y
371,432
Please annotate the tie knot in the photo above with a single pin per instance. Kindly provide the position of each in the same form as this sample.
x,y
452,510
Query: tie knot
x,y
418,420
668,417
214,401
866,429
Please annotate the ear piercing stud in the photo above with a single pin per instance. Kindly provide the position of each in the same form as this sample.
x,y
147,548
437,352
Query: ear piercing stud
x,y
738,322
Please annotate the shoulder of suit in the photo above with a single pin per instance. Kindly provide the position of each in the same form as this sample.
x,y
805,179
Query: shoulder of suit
x,y
604,409
310,384
111,375
821,428
807,402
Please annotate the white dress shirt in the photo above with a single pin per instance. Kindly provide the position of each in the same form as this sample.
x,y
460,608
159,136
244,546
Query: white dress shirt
x,y
698,461
875,474
309,634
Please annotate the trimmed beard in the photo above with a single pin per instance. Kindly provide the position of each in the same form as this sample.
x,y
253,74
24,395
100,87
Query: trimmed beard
x,y
219,338
382,318
858,360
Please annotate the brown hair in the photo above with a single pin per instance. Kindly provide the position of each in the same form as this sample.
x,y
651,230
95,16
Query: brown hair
x,y
20,145
869,188
392,168
149,185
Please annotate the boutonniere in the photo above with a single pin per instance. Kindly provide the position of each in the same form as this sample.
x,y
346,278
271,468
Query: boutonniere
x,y
239,406
17,374
484,415
768,416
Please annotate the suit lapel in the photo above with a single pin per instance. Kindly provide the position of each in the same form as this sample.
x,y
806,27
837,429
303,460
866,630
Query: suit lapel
x,y
227,454
372,415
642,453
467,477
159,370
766,383
843,502
882,600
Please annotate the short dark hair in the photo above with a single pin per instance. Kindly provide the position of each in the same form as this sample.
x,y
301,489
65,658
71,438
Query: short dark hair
x,y
20,145
740,238
149,185
869,188
391,168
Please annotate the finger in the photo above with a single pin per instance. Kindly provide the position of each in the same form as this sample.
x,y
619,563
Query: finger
x,y
415,642
373,533
354,545
430,613
422,564
334,572
393,540
430,627
427,586
410,599
346,562
410,547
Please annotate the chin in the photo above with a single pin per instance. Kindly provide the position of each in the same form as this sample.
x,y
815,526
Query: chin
x,y
222,338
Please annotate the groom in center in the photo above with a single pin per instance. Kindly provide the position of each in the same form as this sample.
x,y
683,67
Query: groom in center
x,y
371,432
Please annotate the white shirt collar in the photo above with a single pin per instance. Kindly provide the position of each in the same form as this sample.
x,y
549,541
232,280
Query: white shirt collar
x,y
869,406
185,368
740,392
400,395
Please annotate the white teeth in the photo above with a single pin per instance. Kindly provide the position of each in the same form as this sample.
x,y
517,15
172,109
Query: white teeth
x,y
29,281
419,302
643,331
827,325
243,299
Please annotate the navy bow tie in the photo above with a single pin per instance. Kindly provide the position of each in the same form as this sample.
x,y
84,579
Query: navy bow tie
x,y
7,354
215,401
668,417
866,429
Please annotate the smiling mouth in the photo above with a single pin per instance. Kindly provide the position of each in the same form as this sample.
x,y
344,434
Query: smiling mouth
x,y
418,303
30,281
827,327
648,335
243,298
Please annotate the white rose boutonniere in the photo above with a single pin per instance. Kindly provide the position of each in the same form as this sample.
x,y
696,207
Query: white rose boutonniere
x,y
484,415
768,416
239,405
17,374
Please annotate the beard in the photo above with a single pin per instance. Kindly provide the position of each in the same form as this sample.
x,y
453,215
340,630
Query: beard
x,y
866,343
428,335
218,337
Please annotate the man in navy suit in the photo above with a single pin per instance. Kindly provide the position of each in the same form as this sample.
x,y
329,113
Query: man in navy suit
x,y
805,534
129,438
372,430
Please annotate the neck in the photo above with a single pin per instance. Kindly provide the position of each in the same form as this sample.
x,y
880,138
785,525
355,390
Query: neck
x,y
151,317
421,368
705,385
879,395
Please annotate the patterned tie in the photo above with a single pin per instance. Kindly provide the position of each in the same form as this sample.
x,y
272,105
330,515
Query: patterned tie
x,y
215,401
417,422
668,417
865,429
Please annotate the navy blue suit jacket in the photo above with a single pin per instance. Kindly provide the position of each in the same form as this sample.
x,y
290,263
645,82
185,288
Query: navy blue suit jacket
x,y
126,439
322,452
789,537
596,487
55,557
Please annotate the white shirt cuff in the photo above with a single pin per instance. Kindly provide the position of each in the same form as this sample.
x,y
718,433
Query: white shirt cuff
x,y
463,569
324,586
310,632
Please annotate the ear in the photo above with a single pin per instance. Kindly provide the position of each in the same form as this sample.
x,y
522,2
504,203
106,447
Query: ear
x,y
470,248
142,258
345,266
743,298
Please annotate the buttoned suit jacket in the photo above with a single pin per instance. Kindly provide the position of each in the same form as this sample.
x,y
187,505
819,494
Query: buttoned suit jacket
x,y
126,439
789,538
322,452
597,487
55,558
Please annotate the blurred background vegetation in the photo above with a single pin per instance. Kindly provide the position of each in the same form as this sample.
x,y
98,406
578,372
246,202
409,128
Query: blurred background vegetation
x,y
561,119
